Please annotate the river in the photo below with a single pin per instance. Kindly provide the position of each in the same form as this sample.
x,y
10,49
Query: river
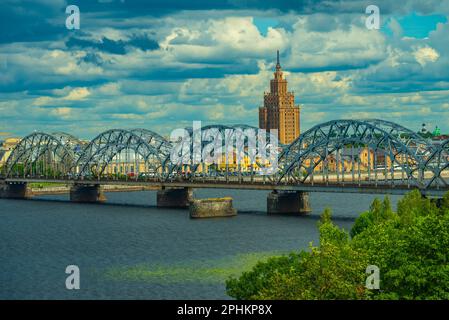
x,y
129,249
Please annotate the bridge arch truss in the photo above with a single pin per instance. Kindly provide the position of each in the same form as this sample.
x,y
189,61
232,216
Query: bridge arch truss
x,y
41,155
119,153
357,152
229,146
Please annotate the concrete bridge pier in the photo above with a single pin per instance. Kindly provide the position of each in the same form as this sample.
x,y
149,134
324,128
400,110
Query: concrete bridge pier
x,y
87,193
174,197
15,190
287,202
210,208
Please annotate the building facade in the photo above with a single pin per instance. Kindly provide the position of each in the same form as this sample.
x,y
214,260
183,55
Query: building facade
x,y
6,148
279,110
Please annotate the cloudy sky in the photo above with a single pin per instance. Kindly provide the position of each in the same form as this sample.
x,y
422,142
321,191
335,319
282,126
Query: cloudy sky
x,y
159,64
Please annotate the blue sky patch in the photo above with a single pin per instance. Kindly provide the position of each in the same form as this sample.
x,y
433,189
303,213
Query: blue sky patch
x,y
418,26
264,23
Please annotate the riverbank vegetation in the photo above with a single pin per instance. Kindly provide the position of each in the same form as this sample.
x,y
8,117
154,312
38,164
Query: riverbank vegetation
x,y
41,185
208,271
410,247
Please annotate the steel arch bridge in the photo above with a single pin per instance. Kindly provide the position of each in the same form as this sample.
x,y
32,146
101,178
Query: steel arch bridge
x,y
228,138
338,153
117,151
335,146
41,154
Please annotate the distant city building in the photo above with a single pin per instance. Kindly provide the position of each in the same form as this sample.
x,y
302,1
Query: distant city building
x,y
441,137
436,132
279,110
6,148
438,137
423,128
435,135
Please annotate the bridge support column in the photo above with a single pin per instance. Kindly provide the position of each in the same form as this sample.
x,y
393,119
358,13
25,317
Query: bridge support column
x,y
15,191
174,197
210,208
286,202
87,193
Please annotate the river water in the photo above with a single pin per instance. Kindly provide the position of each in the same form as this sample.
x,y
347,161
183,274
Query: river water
x,y
129,249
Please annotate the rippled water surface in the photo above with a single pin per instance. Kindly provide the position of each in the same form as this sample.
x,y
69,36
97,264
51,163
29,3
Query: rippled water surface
x,y
138,251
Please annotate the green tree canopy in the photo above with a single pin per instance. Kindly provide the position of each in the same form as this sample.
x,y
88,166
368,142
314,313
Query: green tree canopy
x,y
410,247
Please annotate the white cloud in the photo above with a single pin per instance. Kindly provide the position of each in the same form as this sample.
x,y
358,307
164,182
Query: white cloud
x,y
110,89
40,101
63,112
77,94
355,47
215,66
425,55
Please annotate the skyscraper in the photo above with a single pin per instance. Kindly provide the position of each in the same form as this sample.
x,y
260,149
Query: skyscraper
x,y
279,110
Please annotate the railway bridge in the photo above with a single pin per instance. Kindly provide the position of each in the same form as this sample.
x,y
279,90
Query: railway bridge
x,y
345,156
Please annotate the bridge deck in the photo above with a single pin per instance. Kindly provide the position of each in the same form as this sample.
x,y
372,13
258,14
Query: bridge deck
x,y
341,187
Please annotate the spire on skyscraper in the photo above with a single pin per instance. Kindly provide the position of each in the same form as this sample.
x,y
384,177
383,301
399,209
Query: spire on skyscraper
x,y
278,64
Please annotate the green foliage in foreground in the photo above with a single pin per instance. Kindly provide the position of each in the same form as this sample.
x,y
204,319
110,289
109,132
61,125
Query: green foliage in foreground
x,y
410,247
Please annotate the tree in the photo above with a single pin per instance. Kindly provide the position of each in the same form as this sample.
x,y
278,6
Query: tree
x,y
333,270
378,212
410,248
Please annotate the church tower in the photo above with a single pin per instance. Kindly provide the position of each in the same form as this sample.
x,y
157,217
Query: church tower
x,y
279,110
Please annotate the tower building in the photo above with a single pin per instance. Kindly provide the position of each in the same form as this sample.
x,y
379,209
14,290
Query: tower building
x,y
279,110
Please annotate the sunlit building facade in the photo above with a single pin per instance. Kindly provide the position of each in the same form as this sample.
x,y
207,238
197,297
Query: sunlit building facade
x,y
279,110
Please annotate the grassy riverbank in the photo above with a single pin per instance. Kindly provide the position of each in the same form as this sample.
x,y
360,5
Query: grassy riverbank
x,y
40,185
